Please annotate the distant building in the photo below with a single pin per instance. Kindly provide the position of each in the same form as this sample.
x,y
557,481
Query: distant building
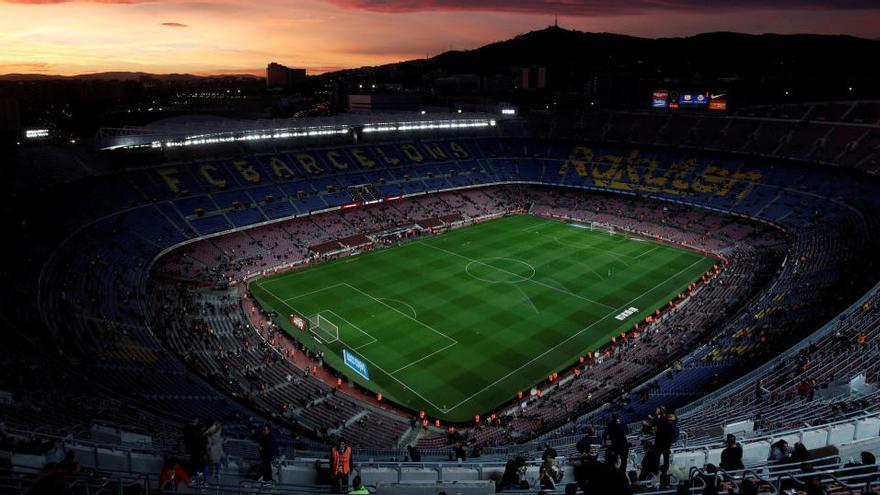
x,y
533,78
281,77
458,84
398,102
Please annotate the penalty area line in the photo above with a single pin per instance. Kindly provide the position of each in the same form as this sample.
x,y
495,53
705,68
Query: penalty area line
x,y
539,356
423,358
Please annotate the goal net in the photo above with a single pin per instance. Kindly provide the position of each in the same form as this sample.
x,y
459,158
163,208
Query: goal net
x,y
324,329
601,227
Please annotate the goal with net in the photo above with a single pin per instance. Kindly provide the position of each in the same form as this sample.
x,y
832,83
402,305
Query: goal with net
x,y
324,329
601,227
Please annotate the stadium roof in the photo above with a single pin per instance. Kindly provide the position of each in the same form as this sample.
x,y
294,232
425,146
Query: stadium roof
x,y
195,130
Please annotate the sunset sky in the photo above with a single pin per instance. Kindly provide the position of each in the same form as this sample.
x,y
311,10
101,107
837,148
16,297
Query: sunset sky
x,y
236,36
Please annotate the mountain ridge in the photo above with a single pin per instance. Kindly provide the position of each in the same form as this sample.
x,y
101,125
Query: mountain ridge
x,y
118,76
558,46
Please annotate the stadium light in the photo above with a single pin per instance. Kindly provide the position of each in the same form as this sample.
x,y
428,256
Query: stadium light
x,y
429,125
36,133
247,136
129,138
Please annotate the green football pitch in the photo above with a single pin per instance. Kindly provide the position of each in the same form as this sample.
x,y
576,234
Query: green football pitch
x,y
456,324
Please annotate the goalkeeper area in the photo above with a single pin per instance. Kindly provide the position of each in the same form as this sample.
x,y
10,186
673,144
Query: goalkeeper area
x,y
457,324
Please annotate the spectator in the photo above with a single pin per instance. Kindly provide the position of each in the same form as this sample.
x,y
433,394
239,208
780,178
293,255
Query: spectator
x,y
358,487
194,445
867,467
340,466
171,476
458,452
268,452
213,449
511,479
476,451
813,486
650,462
868,459
415,455
711,482
665,482
779,452
806,389
731,456
789,484
549,474
800,454
590,444
748,487
667,433
616,443
597,477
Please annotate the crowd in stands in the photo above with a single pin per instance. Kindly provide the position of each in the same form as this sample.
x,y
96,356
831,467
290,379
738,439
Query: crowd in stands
x,y
247,355
232,256
252,362
849,350
747,248
844,133
599,465
100,347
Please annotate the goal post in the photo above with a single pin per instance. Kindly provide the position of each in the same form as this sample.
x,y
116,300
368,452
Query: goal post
x,y
601,227
324,329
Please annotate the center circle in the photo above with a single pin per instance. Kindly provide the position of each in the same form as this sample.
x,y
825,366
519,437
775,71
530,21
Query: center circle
x,y
500,270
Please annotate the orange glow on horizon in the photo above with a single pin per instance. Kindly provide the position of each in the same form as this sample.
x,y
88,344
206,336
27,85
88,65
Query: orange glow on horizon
x,y
207,37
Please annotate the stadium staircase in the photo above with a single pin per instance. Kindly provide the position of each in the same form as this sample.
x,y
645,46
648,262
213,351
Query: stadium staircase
x,y
410,437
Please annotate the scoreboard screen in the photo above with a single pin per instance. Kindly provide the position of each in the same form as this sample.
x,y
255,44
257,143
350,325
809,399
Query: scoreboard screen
x,y
660,98
718,101
690,99
693,99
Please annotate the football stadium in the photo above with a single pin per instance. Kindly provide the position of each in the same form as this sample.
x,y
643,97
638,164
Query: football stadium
x,y
676,293
481,281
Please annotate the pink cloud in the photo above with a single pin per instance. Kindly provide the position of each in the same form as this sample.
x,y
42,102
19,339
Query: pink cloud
x,y
588,8
51,2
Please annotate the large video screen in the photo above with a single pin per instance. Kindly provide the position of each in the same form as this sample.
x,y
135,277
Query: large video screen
x,y
718,101
660,98
690,99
